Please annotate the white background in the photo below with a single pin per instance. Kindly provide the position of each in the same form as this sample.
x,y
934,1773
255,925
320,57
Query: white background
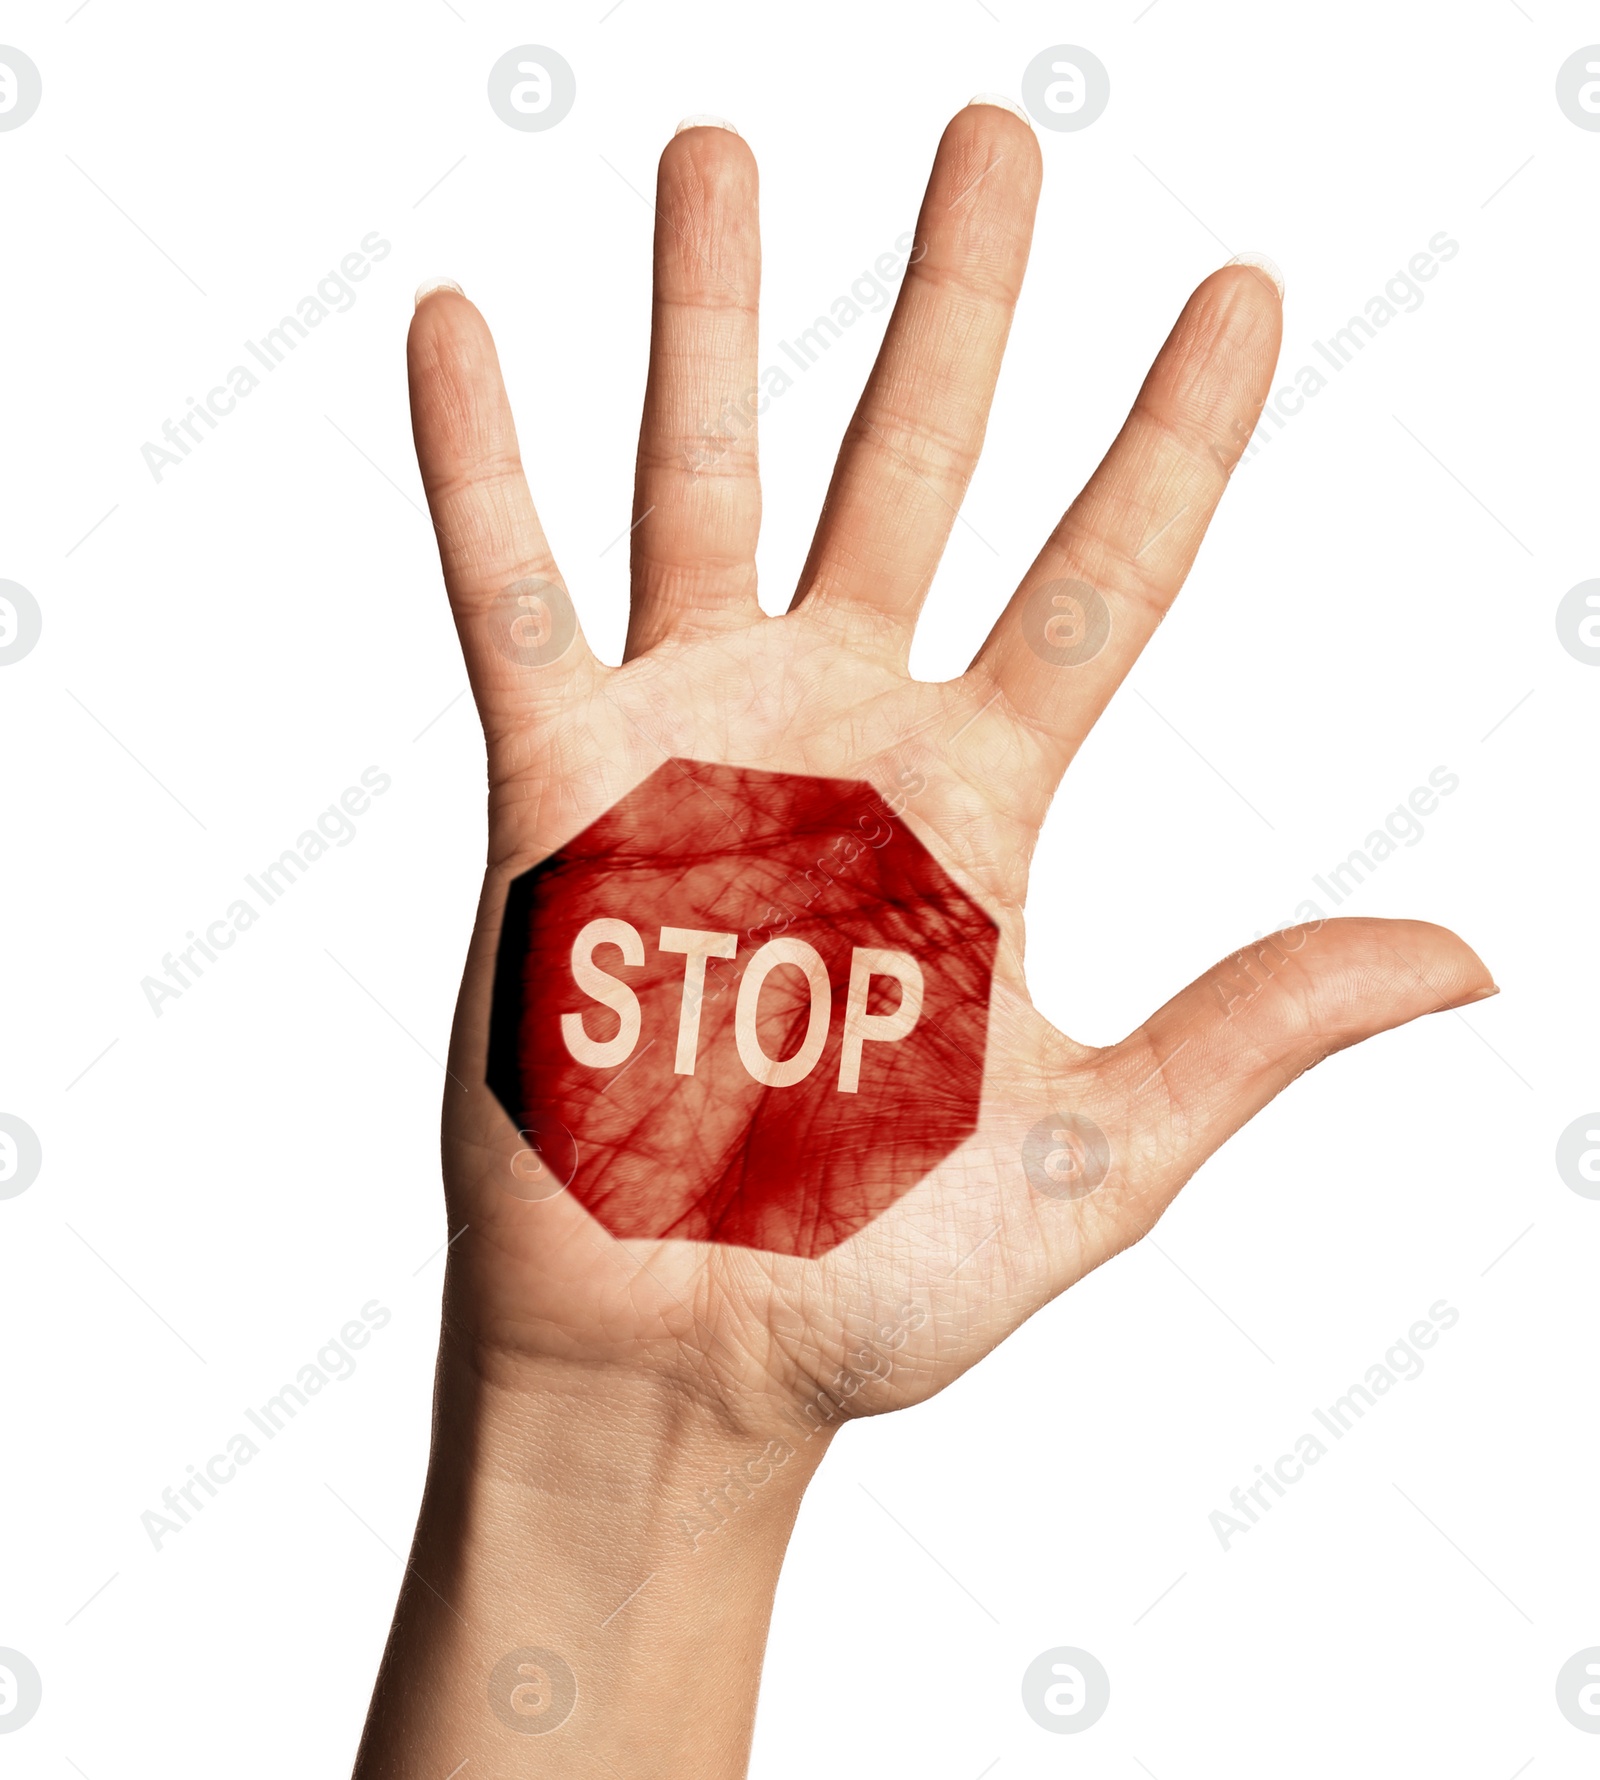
x,y
229,648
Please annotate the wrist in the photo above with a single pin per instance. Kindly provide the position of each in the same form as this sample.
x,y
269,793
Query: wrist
x,y
612,1522
533,1442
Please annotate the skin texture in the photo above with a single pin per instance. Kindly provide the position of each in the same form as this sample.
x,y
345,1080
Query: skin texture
x,y
637,1414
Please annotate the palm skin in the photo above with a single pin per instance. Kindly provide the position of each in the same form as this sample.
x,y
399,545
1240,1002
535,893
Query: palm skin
x,y
909,1302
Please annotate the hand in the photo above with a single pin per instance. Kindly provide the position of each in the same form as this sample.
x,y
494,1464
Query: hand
x,y
749,1346
824,690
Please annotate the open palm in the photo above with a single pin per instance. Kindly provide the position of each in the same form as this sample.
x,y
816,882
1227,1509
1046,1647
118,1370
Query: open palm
x,y
1076,1151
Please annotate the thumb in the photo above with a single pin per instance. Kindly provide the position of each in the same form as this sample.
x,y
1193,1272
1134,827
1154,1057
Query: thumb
x,y
1209,1060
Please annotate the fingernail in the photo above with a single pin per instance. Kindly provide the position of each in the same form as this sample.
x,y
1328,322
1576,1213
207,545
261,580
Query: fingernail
x,y
1004,103
705,121
1484,994
1260,263
430,285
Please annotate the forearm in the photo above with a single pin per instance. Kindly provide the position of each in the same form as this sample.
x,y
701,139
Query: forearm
x,y
629,1535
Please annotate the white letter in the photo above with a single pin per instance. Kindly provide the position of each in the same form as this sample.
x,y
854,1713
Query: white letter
x,y
1589,1697
867,962
534,92
793,1069
1588,628
1066,1698
1070,92
605,989
1589,92
1589,1161
697,946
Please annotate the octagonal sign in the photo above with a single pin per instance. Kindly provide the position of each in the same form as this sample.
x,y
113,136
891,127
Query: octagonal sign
x,y
742,1007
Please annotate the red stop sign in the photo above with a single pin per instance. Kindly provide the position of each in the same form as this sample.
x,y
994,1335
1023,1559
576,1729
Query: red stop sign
x,y
742,1007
